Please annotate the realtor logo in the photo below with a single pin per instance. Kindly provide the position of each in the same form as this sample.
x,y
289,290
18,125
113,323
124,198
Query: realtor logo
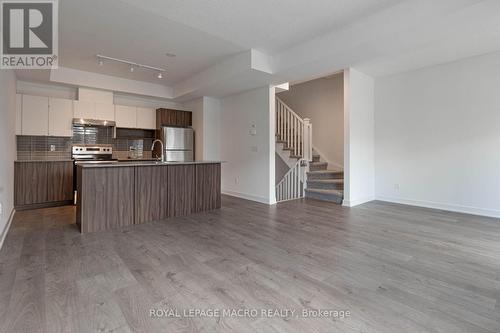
x,y
29,34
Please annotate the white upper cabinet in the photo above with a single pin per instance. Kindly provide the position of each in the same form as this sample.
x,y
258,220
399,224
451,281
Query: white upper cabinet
x,y
60,117
94,110
35,115
126,116
19,114
146,118
84,109
104,111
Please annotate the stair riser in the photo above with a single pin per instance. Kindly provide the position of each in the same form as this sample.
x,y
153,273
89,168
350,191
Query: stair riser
x,y
316,158
324,197
325,175
325,186
318,167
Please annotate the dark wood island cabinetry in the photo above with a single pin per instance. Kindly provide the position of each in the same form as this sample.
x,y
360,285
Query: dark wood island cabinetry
x,y
117,195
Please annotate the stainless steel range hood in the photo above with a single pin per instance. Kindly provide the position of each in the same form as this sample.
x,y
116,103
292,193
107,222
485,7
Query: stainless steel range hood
x,y
93,122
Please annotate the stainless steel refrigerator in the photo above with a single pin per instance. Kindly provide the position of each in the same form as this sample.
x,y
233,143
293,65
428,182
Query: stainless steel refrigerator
x,y
179,144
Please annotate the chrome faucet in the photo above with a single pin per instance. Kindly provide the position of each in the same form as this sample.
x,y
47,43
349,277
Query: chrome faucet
x,y
153,147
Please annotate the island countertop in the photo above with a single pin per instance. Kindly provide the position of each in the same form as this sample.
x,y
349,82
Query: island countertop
x,y
127,163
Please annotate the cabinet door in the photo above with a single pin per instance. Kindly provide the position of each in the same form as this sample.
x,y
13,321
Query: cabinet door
x,y
126,116
60,181
181,195
19,114
35,115
208,187
146,118
104,111
60,117
175,118
84,109
30,183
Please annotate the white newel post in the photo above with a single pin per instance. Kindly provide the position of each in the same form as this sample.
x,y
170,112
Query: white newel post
x,y
307,140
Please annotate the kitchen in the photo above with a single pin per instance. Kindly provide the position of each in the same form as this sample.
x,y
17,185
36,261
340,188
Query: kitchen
x,y
65,145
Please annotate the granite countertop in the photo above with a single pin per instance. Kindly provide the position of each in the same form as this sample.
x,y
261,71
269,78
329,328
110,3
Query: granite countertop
x,y
127,163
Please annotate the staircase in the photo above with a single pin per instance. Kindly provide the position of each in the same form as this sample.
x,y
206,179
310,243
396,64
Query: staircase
x,y
324,184
307,176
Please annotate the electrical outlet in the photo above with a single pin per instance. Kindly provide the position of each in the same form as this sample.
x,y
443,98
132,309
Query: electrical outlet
x,y
52,147
253,130
396,187
1,209
236,180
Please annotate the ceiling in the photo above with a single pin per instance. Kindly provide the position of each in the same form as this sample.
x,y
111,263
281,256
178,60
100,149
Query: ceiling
x,y
296,39
267,25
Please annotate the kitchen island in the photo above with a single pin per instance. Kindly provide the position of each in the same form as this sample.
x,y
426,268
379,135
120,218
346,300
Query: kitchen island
x,y
116,195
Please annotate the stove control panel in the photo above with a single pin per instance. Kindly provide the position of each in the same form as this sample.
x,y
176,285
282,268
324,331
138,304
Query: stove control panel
x,y
92,150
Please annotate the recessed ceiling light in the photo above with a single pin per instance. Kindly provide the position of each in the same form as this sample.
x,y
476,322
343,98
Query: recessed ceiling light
x,y
170,55
160,75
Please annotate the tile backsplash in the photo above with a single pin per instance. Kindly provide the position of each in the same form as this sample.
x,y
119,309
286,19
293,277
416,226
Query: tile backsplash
x,y
86,135
59,148
43,148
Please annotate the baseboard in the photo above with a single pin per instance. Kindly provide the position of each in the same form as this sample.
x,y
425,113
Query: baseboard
x,y
442,206
44,205
357,202
247,196
7,227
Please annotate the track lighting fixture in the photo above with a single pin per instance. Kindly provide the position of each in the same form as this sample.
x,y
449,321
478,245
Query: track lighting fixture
x,y
133,65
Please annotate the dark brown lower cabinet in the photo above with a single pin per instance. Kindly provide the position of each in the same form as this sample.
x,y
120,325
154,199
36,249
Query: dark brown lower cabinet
x,y
151,186
111,197
181,190
42,184
105,198
30,183
208,187
60,181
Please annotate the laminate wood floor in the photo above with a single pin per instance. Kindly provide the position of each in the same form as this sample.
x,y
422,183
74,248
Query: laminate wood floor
x,y
395,268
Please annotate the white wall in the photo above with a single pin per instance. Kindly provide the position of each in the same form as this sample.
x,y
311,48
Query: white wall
x,y
322,100
49,90
248,171
438,136
7,146
196,107
69,92
211,128
206,124
359,159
